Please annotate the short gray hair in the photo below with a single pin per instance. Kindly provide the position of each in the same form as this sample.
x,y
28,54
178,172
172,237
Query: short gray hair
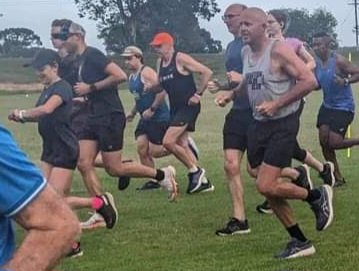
x,y
75,28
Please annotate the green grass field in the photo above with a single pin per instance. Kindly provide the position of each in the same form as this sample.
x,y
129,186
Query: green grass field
x,y
153,234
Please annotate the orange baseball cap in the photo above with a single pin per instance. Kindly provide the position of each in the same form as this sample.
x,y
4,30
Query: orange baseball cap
x,y
162,38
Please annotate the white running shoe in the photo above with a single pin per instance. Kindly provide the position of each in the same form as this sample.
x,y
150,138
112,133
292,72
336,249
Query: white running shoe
x,y
169,182
94,222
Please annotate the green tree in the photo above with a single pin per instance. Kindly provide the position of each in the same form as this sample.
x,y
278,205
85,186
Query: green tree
x,y
304,24
15,41
126,22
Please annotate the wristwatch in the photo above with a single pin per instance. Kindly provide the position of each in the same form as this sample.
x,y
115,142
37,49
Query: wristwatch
x,y
93,87
346,81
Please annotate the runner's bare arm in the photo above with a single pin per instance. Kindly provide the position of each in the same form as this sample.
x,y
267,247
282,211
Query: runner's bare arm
x,y
291,64
191,65
32,114
348,69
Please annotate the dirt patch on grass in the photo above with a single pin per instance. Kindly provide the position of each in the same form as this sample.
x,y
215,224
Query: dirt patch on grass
x,y
21,87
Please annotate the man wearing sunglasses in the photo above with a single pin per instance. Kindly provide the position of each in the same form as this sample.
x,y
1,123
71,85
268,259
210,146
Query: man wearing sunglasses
x,y
69,70
98,79
236,123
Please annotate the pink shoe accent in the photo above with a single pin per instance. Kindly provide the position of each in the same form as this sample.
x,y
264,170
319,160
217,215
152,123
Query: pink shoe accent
x,y
96,203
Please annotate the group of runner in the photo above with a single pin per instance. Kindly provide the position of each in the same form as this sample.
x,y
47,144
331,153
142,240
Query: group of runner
x,y
81,122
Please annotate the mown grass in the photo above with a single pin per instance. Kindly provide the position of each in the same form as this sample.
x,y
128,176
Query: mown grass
x,y
153,234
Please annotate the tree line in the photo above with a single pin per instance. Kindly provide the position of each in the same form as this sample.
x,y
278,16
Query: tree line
x,y
126,22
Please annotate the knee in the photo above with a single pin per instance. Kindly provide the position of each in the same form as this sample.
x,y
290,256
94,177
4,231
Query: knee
x,y
68,225
264,188
73,227
142,150
333,144
323,142
113,170
169,143
231,167
323,138
84,165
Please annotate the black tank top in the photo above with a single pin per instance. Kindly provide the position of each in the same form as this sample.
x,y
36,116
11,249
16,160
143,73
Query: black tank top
x,y
179,87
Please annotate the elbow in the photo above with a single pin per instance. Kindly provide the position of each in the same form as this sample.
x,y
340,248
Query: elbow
x,y
121,78
312,65
210,73
46,110
313,84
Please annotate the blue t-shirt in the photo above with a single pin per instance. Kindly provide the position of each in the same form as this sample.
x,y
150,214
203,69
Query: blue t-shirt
x,y
20,182
334,96
7,240
144,99
234,63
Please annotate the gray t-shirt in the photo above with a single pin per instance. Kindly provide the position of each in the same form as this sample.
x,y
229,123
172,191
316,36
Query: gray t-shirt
x,y
262,85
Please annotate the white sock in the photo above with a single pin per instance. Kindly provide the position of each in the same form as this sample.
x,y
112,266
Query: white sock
x,y
193,169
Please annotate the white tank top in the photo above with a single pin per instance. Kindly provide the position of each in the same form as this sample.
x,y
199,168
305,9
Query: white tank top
x,y
263,86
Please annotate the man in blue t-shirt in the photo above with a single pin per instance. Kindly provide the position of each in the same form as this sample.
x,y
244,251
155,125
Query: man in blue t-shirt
x,y
335,74
25,197
236,123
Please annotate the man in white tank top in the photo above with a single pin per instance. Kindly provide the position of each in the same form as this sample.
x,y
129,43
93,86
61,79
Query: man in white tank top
x,y
275,81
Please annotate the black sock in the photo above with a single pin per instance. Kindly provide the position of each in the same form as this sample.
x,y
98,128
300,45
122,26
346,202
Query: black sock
x,y
160,175
313,195
295,232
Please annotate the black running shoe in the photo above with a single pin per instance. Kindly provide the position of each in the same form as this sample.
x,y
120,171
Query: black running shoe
x,y
149,185
108,210
264,208
323,207
234,226
339,183
327,174
76,251
303,179
195,180
295,249
123,182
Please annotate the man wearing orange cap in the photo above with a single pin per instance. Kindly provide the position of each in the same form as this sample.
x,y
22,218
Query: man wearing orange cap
x,y
175,70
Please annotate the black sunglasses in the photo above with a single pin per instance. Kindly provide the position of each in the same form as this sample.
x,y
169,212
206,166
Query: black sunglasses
x,y
229,16
62,36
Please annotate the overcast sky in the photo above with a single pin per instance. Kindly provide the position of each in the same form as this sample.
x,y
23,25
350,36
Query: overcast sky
x,y
38,14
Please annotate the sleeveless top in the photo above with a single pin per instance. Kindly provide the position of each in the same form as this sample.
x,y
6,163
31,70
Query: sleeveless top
x,y
295,43
144,99
263,86
334,96
180,88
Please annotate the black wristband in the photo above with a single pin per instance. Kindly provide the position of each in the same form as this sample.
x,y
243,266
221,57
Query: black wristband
x,y
153,109
93,87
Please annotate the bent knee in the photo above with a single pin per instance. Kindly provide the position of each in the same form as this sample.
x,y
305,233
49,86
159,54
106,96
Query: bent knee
x,y
84,165
231,168
169,144
264,189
